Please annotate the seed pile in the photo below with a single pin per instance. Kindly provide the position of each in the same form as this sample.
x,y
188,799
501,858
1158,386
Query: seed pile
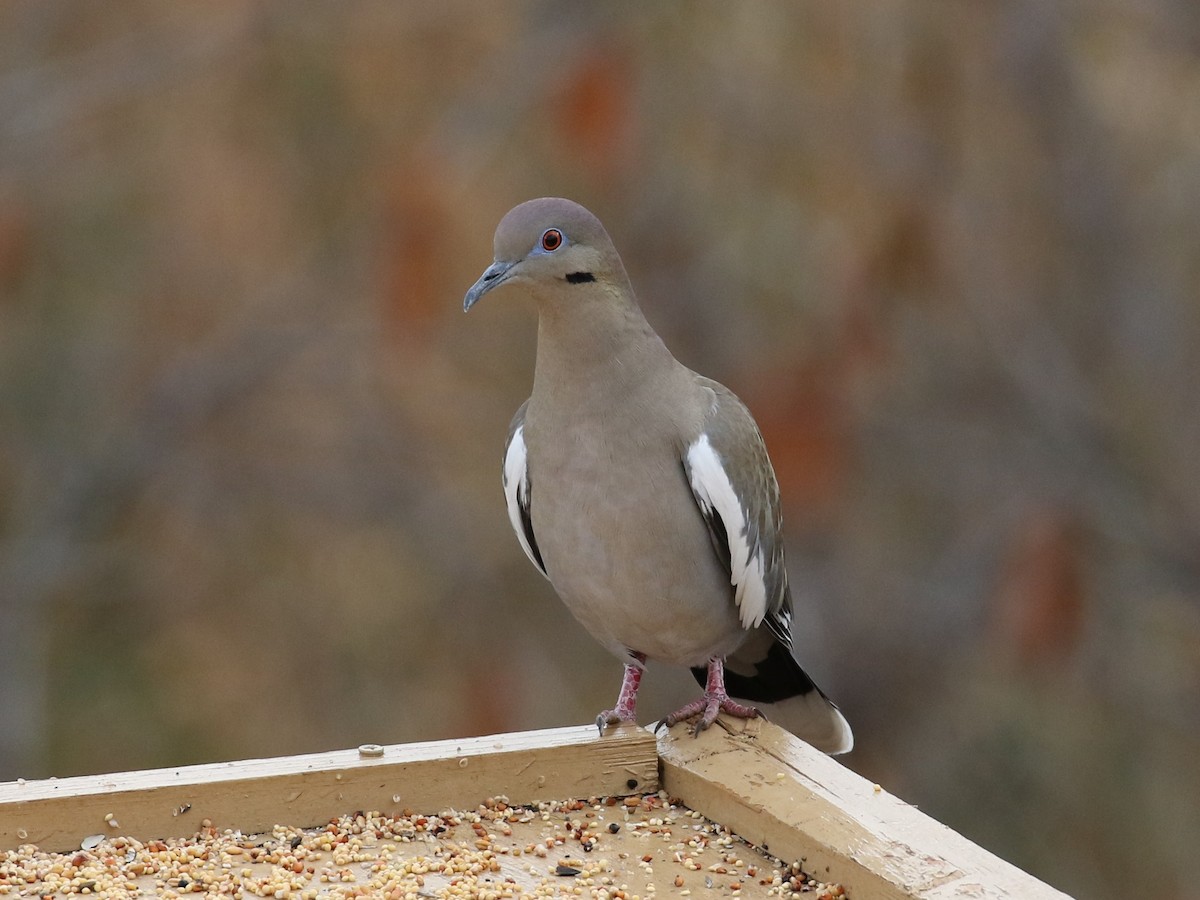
x,y
633,848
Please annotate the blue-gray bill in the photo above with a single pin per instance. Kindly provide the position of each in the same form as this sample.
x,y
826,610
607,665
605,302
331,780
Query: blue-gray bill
x,y
492,276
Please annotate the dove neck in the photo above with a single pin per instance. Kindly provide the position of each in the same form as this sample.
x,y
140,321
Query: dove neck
x,y
597,339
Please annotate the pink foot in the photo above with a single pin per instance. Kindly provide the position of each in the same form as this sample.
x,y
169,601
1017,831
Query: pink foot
x,y
715,701
626,708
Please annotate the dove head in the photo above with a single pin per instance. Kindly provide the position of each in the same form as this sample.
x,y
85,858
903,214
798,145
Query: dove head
x,y
555,249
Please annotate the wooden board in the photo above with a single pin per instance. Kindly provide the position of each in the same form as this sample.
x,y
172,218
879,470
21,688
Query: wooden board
x,y
751,777
780,794
253,795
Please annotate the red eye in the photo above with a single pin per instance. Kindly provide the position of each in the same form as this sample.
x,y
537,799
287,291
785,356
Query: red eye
x,y
551,240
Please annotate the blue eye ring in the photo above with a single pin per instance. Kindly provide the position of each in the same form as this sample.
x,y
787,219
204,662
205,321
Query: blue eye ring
x,y
551,240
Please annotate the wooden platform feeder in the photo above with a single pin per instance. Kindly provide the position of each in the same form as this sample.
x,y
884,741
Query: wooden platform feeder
x,y
759,782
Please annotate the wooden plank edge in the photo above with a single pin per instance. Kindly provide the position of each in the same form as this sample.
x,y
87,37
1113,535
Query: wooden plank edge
x,y
780,794
253,795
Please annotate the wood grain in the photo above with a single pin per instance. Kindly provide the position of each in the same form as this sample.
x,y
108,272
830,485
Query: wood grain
x,y
253,795
781,794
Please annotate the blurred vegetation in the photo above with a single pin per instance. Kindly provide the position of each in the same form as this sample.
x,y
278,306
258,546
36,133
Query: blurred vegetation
x,y
249,446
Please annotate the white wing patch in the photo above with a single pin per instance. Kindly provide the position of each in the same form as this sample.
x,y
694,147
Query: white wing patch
x,y
714,491
516,490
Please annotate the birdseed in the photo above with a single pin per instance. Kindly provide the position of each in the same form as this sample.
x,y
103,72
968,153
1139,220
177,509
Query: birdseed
x,y
599,848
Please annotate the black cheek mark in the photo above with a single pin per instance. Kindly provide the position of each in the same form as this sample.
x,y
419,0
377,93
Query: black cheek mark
x,y
580,277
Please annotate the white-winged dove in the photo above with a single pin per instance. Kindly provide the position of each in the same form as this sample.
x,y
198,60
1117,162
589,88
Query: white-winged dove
x,y
643,491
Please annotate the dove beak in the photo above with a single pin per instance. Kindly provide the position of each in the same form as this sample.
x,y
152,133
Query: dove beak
x,y
493,276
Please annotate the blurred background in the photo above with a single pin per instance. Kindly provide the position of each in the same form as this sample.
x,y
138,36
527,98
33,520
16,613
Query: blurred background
x,y
250,446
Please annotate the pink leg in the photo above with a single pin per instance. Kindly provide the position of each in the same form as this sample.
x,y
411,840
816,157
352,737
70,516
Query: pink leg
x,y
715,700
626,709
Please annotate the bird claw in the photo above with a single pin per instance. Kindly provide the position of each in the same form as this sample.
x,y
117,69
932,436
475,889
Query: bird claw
x,y
612,717
708,707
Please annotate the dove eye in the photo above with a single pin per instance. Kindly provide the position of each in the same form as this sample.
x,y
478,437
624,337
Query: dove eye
x,y
552,239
